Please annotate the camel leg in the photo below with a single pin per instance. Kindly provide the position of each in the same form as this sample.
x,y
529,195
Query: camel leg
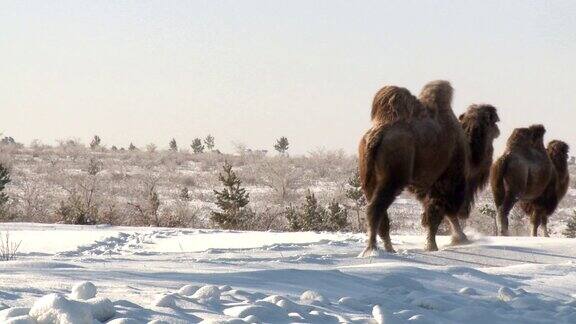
x,y
544,224
503,212
373,224
432,218
458,236
385,233
535,220
376,214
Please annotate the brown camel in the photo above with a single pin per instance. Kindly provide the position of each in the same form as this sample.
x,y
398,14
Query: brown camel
x,y
414,143
529,173
480,126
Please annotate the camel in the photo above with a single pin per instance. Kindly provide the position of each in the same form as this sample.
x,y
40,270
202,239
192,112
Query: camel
x,y
416,144
527,172
480,126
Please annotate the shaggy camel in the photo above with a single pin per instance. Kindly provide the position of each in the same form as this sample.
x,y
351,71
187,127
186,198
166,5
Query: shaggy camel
x,y
414,143
527,172
480,126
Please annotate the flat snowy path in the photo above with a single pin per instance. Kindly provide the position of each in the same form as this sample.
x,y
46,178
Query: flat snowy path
x,y
261,276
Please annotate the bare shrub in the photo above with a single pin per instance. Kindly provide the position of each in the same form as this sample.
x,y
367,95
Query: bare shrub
x,y
8,248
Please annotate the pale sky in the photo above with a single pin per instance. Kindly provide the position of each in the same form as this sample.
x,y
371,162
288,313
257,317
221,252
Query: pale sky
x,y
252,71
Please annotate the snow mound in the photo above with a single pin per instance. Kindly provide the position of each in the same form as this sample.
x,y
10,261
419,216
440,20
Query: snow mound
x,y
252,319
13,312
124,320
166,300
266,314
56,309
506,294
102,308
468,291
25,319
312,296
83,290
352,303
207,293
188,290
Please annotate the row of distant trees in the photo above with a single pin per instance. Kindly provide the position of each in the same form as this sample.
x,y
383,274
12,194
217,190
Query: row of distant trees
x,y
198,145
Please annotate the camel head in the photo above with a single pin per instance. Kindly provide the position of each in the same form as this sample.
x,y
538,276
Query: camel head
x,y
480,124
558,150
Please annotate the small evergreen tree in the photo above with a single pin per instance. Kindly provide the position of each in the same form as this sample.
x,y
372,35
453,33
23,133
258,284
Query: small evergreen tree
x,y
356,196
94,166
154,206
114,148
336,217
209,142
309,218
282,145
8,140
570,230
197,146
184,194
95,143
132,147
4,180
313,217
151,148
232,201
173,146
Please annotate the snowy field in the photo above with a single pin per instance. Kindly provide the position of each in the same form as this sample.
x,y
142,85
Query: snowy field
x,y
89,274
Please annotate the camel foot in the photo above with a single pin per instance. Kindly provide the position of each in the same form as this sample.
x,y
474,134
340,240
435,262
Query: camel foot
x,y
431,247
460,240
389,248
369,252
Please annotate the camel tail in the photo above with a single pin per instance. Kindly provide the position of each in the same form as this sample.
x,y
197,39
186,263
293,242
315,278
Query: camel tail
x,y
497,180
366,159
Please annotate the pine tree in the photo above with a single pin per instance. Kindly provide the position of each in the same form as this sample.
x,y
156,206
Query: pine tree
x,y
95,143
209,142
310,217
184,194
132,147
356,196
313,217
232,201
173,146
197,146
4,180
336,217
570,230
282,145
94,166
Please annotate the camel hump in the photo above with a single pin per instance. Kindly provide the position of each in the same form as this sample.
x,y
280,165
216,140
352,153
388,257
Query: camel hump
x,y
392,103
437,95
521,137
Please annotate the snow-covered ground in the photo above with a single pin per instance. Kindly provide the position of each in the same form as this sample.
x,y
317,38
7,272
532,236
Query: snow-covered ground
x,y
80,274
